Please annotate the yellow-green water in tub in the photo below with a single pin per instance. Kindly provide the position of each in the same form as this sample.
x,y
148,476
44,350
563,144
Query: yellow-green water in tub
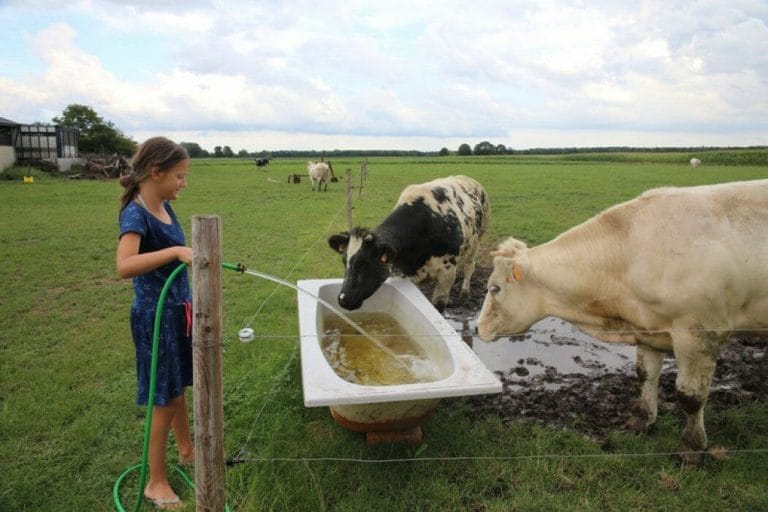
x,y
357,359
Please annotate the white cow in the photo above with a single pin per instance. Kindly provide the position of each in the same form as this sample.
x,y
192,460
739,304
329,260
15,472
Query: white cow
x,y
695,162
319,174
676,269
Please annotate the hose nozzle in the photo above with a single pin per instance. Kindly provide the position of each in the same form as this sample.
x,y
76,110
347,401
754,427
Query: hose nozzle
x,y
237,268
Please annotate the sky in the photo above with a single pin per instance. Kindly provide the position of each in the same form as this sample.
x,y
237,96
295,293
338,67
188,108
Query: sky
x,y
399,74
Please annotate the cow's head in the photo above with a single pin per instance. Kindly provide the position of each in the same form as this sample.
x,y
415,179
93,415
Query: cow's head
x,y
366,258
511,302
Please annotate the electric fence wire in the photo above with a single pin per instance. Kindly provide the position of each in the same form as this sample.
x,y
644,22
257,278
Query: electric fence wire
x,y
275,384
278,380
240,457
538,456
295,266
237,387
594,334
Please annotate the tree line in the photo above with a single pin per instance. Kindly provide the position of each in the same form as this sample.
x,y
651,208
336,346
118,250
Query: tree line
x,y
97,135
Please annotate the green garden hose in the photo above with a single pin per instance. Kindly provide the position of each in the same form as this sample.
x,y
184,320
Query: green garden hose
x,y
151,400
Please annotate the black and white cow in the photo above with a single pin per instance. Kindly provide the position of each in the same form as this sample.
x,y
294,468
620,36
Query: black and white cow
x,y
434,228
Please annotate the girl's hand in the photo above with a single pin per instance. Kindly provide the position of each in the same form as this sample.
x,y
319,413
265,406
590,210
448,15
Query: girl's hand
x,y
130,263
184,254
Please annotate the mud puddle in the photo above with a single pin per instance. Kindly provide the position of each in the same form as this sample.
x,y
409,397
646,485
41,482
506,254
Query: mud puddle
x,y
551,347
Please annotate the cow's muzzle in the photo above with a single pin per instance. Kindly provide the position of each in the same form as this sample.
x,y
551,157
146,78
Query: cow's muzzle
x,y
348,304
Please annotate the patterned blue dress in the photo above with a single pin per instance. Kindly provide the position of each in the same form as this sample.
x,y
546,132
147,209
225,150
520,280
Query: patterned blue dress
x,y
174,366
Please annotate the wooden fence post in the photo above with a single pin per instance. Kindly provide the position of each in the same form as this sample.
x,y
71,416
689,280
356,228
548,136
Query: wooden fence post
x,y
207,363
360,190
349,199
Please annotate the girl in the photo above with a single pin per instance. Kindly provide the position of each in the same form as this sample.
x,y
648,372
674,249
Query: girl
x,y
150,247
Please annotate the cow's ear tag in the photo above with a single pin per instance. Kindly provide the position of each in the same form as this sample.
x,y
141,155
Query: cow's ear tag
x,y
517,274
383,257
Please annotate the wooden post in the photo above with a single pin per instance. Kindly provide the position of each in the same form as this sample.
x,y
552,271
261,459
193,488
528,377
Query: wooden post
x,y
349,199
207,363
360,190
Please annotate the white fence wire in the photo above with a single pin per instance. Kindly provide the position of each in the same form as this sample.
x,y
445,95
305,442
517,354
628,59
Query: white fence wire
x,y
278,381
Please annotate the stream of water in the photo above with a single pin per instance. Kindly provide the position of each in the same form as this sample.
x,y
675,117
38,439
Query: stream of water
x,y
381,346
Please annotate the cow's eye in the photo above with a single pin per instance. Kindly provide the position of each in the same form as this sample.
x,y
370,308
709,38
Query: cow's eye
x,y
494,289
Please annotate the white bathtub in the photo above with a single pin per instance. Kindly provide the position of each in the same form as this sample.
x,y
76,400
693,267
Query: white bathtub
x,y
393,407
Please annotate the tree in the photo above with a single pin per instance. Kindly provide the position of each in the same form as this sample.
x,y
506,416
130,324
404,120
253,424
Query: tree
x,y
243,153
227,152
94,134
485,148
217,152
501,149
193,149
464,150
444,152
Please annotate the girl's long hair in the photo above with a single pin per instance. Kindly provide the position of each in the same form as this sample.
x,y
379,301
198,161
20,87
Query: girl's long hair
x,y
158,154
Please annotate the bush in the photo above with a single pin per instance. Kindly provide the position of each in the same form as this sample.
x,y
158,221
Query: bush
x,y
18,172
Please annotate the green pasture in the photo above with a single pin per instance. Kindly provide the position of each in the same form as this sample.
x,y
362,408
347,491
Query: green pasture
x,y
69,425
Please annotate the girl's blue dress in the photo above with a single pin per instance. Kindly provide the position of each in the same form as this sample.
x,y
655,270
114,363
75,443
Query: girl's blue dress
x,y
174,366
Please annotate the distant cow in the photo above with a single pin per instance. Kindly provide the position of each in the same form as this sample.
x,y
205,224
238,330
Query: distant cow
x,y
695,162
676,269
434,229
262,162
319,174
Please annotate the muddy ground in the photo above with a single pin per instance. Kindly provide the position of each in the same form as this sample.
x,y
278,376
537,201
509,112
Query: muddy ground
x,y
597,399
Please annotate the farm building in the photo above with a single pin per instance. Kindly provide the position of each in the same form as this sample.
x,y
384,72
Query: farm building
x,y
8,133
27,143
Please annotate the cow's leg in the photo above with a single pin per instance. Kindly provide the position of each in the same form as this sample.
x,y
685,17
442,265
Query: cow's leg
x,y
649,362
696,358
469,269
444,278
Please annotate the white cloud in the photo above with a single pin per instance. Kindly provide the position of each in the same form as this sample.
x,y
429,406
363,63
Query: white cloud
x,y
650,49
606,91
424,71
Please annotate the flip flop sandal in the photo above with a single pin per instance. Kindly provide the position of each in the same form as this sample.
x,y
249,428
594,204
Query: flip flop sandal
x,y
164,503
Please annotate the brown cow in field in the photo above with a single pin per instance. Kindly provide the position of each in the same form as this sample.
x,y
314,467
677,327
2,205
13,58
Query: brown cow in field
x,y
319,174
676,269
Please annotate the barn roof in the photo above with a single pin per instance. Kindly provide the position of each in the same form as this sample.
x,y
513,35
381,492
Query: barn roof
x,y
7,122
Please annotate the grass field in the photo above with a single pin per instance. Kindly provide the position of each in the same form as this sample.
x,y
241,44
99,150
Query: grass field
x,y
69,426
